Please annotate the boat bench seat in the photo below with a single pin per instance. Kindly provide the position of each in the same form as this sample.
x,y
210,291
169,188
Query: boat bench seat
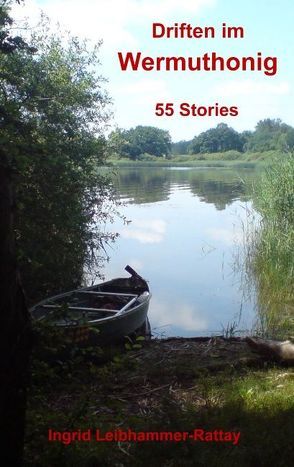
x,y
81,308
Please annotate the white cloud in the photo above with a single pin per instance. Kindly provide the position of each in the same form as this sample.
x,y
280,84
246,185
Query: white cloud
x,y
89,19
154,87
167,8
142,236
156,224
178,314
149,231
250,87
109,19
135,93
226,236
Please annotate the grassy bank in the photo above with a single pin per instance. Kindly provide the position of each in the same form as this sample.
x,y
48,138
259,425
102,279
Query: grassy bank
x,y
171,385
271,259
183,163
226,159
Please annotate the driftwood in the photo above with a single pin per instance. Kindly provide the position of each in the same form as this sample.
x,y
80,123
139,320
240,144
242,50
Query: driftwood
x,y
278,350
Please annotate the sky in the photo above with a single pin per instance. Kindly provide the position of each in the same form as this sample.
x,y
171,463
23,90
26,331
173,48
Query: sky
x,y
126,26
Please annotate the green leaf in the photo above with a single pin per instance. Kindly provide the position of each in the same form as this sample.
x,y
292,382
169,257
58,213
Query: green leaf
x,y
137,346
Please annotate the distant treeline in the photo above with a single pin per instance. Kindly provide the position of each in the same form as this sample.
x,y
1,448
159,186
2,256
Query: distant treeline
x,y
141,141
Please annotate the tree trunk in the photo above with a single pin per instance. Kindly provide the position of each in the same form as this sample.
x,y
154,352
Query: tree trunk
x,y
15,335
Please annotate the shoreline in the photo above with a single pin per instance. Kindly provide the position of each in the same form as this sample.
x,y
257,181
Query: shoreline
x,y
189,164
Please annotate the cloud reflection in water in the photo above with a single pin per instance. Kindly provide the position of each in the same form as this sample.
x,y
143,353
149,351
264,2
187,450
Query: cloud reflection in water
x,y
145,231
180,315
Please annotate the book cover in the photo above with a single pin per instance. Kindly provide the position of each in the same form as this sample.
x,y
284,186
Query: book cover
x,y
158,135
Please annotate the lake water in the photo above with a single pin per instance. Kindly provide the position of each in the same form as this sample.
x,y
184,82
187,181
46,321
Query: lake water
x,y
184,236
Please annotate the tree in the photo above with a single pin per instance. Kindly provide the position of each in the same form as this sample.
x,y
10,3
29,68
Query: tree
x,y
180,148
219,139
117,143
245,138
270,134
286,140
52,117
143,139
60,190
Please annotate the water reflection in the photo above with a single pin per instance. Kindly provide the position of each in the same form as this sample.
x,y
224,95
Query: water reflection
x,y
151,231
217,186
185,225
183,315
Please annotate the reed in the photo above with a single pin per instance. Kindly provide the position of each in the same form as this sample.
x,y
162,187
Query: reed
x,y
271,247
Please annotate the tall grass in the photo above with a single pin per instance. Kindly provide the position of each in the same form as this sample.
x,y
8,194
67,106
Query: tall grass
x,y
272,249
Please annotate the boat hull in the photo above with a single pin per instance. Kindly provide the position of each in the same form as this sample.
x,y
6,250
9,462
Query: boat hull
x,y
104,330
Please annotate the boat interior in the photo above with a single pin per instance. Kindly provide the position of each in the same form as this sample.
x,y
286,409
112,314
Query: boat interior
x,y
86,306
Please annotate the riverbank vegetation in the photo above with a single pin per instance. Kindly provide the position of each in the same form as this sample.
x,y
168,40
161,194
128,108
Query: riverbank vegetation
x,y
271,249
219,159
222,143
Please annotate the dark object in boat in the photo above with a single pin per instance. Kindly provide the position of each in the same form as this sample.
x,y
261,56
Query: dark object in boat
x,y
102,313
277,350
